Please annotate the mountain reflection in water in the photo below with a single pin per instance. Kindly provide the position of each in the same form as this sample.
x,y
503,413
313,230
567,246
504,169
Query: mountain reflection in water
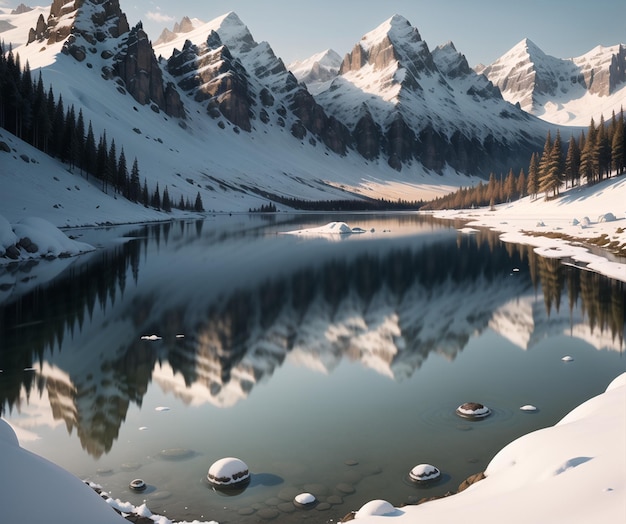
x,y
230,302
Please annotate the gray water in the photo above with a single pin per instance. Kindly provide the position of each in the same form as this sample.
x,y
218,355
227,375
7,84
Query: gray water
x,y
329,365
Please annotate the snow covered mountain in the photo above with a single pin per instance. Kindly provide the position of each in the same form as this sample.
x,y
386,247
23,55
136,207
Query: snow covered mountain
x,y
317,69
219,113
563,91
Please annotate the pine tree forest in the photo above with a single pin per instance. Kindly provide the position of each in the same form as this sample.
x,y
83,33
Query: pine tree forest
x,y
36,116
597,154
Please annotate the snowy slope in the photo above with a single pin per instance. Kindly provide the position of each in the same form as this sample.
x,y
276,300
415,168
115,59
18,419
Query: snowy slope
x,y
562,91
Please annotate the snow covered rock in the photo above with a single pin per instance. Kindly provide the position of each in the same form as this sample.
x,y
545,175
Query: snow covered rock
x,y
607,217
424,473
377,507
473,410
228,472
304,500
35,237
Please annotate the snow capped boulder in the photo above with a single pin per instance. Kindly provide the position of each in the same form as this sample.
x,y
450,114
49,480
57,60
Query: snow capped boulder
x,y
473,410
35,237
137,485
304,500
586,222
228,472
375,508
607,217
423,473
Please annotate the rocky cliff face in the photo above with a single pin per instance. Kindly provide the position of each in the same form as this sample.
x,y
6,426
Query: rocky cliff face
x,y
243,81
210,73
137,66
98,31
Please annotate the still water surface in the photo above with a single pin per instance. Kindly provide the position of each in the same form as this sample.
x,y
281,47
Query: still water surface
x,y
329,365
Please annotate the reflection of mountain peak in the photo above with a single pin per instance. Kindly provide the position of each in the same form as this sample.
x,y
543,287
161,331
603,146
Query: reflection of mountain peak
x,y
385,304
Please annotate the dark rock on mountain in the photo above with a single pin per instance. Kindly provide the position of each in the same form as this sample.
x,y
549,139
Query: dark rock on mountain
x,y
137,66
211,73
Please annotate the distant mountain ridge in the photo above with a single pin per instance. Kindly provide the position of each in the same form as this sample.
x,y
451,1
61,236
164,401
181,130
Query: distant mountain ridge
x,y
392,114
557,89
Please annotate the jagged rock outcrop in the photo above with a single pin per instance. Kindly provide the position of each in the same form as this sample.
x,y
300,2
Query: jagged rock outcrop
x,y
105,21
87,27
21,9
211,73
243,80
137,66
184,26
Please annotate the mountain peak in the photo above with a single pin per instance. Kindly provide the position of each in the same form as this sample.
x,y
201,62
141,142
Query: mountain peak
x,y
396,29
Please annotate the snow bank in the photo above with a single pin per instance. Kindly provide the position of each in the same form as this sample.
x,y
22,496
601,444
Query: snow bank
x,y
35,238
572,473
555,228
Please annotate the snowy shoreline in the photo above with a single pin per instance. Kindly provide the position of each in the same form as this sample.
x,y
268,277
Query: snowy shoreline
x,y
572,472
562,227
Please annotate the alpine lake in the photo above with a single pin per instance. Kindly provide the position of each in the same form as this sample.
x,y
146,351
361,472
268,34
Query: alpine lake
x,y
330,365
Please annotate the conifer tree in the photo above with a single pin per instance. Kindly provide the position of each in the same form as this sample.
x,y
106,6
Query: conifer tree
x,y
145,198
89,153
550,177
166,204
602,152
110,169
509,187
156,198
617,146
134,191
78,139
521,184
587,165
572,163
122,182
198,205
101,159
533,176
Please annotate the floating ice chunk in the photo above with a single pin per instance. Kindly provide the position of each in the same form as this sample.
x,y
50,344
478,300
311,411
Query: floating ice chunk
x,y
567,358
180,336
143,428
161,408
528,407
151,337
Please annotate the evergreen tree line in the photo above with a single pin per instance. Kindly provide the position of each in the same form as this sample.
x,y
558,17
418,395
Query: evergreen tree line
x,y
40,119
370,204
597,154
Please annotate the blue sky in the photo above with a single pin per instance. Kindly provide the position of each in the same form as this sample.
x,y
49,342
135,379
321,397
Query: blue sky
x,y
483,30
